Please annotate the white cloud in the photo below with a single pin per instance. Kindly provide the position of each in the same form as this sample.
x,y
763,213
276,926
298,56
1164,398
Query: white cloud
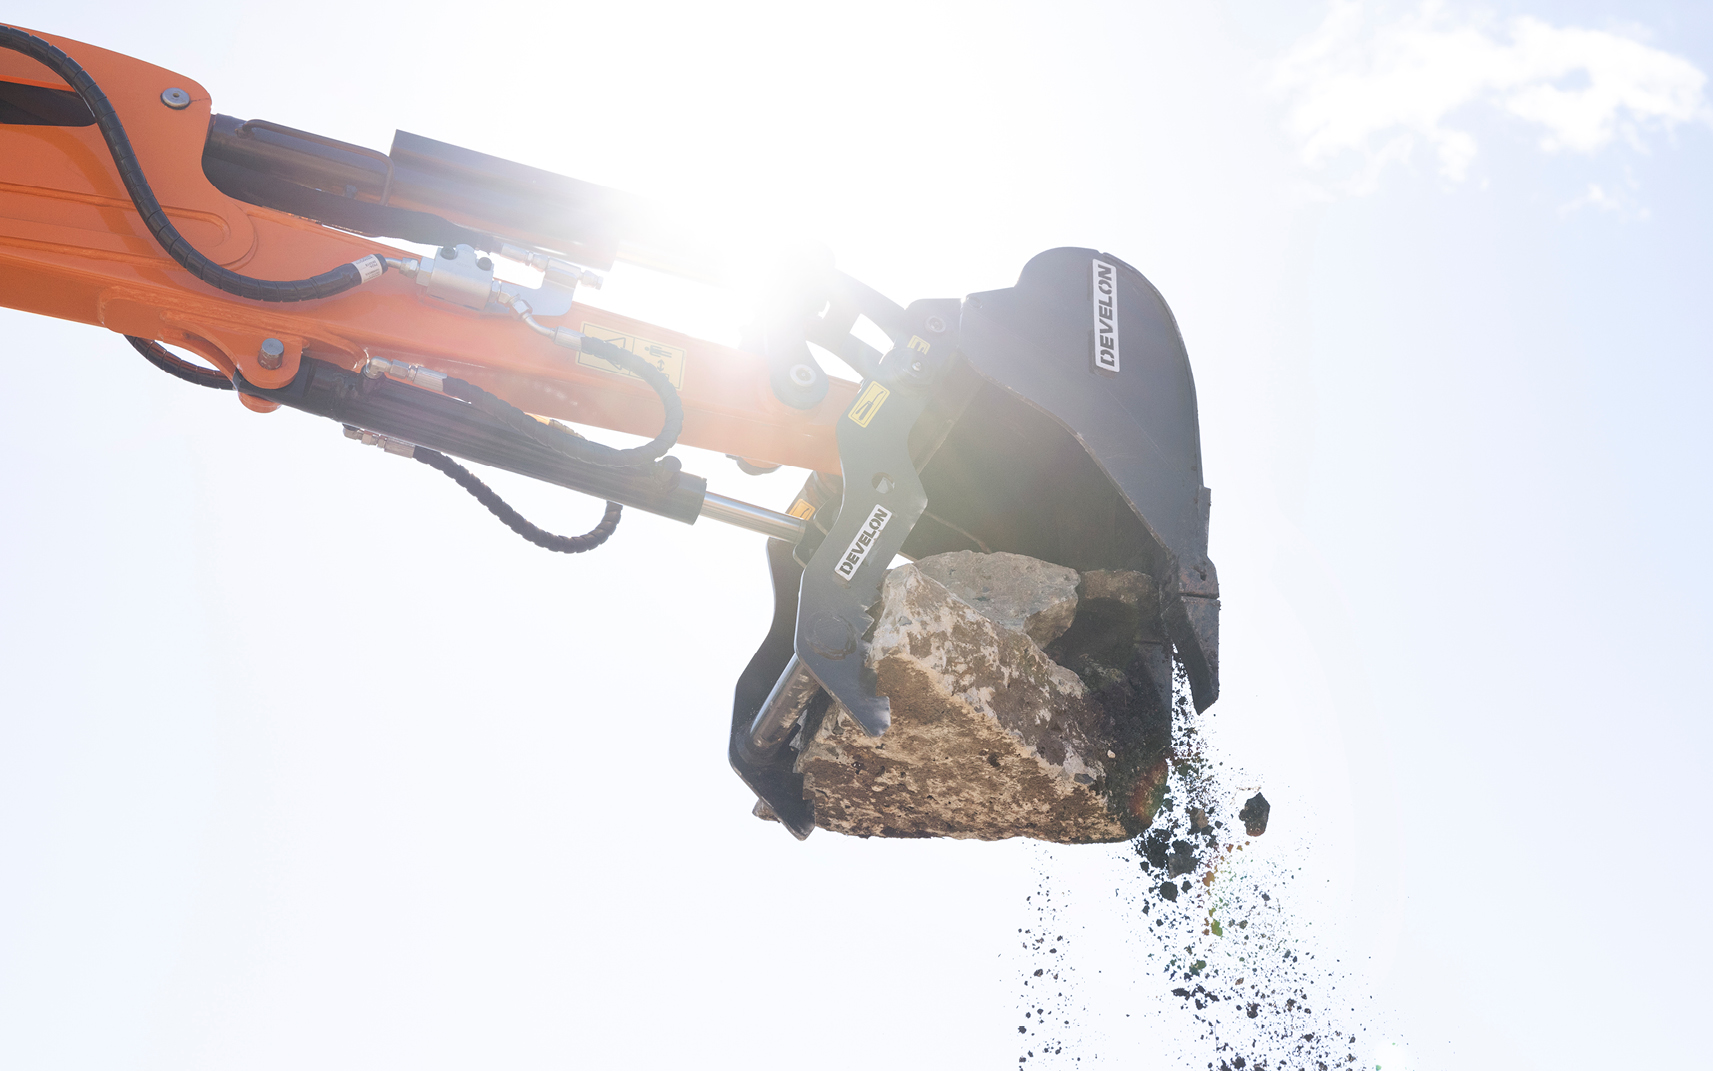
x,y
1368,91
1597,197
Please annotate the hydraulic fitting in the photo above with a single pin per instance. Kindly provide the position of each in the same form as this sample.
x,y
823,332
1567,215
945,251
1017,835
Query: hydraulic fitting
x,y
376,367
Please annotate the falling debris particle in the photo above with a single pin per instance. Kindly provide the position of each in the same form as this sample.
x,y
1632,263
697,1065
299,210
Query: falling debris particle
x,y
1254,815
1182,860
1216,911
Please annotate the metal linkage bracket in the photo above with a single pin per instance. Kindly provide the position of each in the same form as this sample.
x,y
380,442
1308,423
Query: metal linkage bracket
x,y
847,300
821,306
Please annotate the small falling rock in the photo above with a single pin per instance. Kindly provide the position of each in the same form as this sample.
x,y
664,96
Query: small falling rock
x,y
1182,860
1254,814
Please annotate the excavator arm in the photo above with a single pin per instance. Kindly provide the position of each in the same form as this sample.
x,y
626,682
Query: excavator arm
x,y
1056,418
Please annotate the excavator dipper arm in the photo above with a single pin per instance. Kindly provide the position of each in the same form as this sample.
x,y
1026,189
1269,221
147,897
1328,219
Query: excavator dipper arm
x,y
1055,419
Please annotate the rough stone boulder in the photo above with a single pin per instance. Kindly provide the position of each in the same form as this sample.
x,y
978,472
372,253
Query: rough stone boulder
x,y
1026,701
1014,592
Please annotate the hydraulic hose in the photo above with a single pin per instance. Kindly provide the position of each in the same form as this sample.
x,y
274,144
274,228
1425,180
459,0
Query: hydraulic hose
x,y
575,447
511,518
173,365
327,284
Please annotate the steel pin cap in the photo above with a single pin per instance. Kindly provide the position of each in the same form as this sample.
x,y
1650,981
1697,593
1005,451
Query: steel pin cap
x,y
272,354
175,98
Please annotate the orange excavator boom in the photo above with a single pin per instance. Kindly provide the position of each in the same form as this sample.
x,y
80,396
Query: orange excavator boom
x,y
1056,418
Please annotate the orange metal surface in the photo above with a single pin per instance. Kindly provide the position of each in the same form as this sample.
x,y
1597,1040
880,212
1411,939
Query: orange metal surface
x,y
72,246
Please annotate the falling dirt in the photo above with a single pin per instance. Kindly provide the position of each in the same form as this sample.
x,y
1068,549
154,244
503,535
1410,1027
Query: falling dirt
x,y
1049,1010
1214,910
1254,815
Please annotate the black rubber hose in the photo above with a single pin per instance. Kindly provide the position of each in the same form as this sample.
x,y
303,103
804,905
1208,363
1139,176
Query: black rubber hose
x,y
512,518
173,365
327,284
575,447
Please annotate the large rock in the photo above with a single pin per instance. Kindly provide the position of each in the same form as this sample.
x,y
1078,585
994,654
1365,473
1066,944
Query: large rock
x,y
992,737
1015,592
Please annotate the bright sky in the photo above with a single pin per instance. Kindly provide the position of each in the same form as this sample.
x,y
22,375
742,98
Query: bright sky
x,y
306,762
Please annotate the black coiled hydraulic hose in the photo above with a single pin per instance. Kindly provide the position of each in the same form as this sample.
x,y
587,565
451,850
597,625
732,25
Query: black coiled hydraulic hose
x,y
327,284
514,520
575,447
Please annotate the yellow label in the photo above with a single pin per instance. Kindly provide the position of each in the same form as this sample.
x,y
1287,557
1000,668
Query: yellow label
x,y
869,404
801,510
669,359
918,343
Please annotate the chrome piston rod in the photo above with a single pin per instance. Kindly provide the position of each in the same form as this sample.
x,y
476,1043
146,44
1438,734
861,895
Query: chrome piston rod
x,y
753,518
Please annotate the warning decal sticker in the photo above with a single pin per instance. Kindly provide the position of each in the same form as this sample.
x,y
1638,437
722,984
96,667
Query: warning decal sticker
x,y
669,359
869,403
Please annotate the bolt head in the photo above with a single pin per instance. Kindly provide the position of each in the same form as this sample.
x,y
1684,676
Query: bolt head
x,y
175,98
935,325
272,354
802,375
831,636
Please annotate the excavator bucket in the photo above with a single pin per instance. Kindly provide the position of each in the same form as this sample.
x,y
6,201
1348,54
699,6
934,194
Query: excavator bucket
x,y
1081,445
1054,419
